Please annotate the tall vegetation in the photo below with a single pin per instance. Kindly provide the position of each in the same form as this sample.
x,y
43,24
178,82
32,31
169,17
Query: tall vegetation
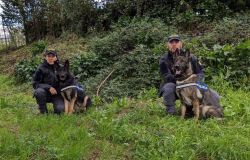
x,y
133,47
132,51
40,18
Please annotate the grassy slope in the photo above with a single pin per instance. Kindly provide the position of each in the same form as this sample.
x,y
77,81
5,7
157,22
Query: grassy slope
x,y
66,47
124,129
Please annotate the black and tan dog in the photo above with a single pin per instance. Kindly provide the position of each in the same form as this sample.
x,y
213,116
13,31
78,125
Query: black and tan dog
x,y
74,96
205,102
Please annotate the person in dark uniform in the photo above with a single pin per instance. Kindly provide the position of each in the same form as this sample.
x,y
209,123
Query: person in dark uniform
x,y
46,86
167,90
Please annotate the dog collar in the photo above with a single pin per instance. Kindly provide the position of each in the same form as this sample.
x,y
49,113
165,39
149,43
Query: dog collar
x,y
200,85
185,85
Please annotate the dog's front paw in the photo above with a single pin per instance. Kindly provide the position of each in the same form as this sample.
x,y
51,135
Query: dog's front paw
x,y
193,76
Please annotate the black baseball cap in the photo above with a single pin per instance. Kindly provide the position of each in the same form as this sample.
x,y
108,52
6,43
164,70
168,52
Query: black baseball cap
x,y
173,37
50,52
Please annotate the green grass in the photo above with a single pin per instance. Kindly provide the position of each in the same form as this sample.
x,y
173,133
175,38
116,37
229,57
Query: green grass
x,y
123,129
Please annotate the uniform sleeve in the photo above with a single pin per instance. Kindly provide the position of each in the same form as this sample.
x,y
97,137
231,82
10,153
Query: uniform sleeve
x,y
163,66
198,69
37,80
165,72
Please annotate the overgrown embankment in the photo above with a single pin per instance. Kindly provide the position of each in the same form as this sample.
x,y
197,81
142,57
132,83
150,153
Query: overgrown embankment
x,y
132,51
133,125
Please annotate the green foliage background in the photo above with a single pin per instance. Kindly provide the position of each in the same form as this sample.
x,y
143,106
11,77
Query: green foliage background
x,y
127,37
41,18
133,50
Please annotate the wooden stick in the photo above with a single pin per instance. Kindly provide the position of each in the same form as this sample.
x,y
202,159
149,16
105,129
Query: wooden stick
x,y
98,89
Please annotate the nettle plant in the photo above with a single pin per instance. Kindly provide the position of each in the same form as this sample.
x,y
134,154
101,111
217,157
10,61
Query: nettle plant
x,y
132,51
38,47
231,61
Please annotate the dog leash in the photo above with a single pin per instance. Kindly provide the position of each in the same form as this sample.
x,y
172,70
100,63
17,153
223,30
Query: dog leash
x,y
68,87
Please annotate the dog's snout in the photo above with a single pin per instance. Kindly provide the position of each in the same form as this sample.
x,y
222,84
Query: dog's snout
x,y
62,77
177,67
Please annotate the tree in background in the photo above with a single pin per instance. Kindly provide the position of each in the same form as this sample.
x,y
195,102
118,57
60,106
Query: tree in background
x,y
79,15
40,18
27,13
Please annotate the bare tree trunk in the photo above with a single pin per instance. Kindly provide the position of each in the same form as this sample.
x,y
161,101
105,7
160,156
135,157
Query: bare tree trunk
x,y
5,38
24,21
12,36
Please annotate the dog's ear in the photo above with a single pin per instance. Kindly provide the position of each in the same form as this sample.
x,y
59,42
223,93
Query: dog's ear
x,y
187,54
56,65
66,64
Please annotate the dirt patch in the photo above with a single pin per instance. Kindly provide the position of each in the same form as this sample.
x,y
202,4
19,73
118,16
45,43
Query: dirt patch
x,y
95,155
9,59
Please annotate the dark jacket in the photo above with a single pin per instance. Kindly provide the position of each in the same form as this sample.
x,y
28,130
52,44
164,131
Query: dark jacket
x,y
166,67
45,77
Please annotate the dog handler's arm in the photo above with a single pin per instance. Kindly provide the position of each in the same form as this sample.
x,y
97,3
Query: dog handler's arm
x,y
198,69
166,74
37,81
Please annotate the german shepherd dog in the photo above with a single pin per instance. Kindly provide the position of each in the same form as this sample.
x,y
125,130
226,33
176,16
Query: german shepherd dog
x,y
74,97
204,103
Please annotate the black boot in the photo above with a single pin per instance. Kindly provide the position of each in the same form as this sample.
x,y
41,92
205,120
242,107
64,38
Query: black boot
x,y
43,109
170,110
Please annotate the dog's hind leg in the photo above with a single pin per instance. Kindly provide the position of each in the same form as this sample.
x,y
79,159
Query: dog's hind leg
x,y
214,112
86,102
204,110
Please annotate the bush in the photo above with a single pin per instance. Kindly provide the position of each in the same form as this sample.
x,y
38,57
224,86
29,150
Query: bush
x,y
86,65
231,61
133,73
133,51
229,30
38,47
126,37
25,69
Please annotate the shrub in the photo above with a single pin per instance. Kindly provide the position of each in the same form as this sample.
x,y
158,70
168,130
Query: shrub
x,y
231,61
125,38
86,65
134,72
25,69
132,51
229,30
38,47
